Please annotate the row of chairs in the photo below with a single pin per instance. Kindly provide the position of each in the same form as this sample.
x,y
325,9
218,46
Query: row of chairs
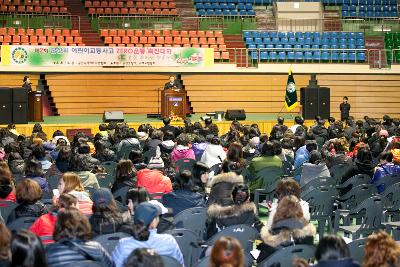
x,y
304,35
361,2
42,3
154,5
305,43
223,6
132,11
377,13
316,56
220,12
164,40
42,40
39,32
157,33
33,9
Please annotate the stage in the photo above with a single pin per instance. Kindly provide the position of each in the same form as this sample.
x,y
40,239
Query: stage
x,y
64,123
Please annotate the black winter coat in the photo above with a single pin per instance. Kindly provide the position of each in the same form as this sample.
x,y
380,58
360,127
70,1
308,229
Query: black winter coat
x,y
67,251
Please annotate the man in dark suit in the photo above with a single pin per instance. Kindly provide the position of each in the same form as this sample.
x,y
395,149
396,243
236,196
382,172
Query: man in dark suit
x,y
27,85
344,109
173,84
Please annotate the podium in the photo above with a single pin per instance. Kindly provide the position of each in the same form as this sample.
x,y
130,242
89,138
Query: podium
x,y
35,99
173,103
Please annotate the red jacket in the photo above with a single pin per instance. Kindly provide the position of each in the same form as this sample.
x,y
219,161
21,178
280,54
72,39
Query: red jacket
x,y
44,226
10,197
154,181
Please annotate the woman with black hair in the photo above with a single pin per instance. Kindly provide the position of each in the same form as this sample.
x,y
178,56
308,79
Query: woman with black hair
x,y
106,217
34,171
144,257
242,211
214,153
200,176
332,251
144,235
128,139
80,165
61,165
314,168
136,156
27,250
125,175
184,195
103,153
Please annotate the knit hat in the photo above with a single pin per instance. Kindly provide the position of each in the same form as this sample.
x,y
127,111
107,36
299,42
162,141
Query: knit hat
x,y
383,133
145,213
102,196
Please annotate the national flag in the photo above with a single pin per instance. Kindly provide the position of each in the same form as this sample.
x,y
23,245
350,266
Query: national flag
x,y
291,95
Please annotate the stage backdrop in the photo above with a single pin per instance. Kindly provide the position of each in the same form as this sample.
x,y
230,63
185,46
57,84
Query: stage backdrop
x,y
99,56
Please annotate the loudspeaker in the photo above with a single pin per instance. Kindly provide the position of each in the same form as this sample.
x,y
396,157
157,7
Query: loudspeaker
x,y
113,115
20,105
5,105
19,95
20,112
315,102
235,114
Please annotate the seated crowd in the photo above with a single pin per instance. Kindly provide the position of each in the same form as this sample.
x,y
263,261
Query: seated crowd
x,y
158,173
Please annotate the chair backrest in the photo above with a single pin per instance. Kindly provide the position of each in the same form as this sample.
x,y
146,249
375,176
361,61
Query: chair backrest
x,y
389,180
284,256
244,233
85,264
321,201
120,194
111,169
356,180
110,241
392,193
188,243
123,153
21,223
184,164
269,175
358,194
357,249
7,207
193,219
337,171
170,262
373,208
317,182
53,180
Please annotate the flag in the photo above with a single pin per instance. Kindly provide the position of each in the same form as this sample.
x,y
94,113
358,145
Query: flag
x,y
291,95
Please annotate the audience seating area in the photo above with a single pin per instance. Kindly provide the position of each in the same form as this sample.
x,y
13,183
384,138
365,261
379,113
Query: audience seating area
x,y
167,38
63,37
224,8
33,6
369,8
148,8
307,46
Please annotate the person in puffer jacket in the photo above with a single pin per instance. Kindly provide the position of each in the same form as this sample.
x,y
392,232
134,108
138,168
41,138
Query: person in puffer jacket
x,y
153,179
242,211
221,188
182,149
386,167
72,234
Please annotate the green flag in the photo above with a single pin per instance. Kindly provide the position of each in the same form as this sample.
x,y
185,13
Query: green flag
x,y
291,95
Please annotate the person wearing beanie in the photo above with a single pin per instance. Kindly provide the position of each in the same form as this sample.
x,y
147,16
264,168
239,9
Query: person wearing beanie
x,y
152,178
144,235
379,145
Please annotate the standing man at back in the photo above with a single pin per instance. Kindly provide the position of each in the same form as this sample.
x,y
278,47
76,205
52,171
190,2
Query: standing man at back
x,y
344,109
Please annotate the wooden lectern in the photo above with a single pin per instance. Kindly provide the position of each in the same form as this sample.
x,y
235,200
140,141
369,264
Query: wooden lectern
x,y
35,99
173,103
